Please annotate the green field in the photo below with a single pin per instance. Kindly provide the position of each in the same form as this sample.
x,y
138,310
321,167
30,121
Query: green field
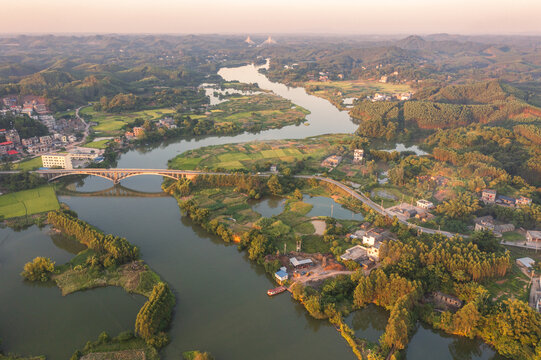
x,y
112,124
101,144
31,164
28,202
245,155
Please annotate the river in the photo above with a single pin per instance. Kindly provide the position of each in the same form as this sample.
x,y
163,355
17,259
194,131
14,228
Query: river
x,y
222,305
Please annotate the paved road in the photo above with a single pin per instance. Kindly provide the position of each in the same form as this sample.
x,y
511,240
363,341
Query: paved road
x,y
366,200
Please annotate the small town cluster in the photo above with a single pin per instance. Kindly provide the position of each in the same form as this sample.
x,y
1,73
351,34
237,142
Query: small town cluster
x,y
63,132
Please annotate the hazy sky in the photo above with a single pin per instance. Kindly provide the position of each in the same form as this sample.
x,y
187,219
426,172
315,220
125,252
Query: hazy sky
x,y
272,16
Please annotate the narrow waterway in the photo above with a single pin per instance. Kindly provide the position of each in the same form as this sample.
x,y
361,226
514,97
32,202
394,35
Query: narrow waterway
x,y
222,306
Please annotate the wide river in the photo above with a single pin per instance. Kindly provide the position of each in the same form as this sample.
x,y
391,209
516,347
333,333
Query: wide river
x,y
222,305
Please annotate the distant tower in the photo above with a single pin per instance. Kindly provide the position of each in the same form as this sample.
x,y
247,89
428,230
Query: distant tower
x,y
248,40
269,41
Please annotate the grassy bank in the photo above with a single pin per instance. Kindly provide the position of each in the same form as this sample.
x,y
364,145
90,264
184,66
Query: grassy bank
x,y
28,202
134,277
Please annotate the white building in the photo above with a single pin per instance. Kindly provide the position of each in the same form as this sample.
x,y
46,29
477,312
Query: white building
x,y
425,204
57,161
358,155
373,251
371,237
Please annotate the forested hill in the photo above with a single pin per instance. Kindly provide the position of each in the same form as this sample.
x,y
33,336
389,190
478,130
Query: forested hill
x,y
448,107
485,92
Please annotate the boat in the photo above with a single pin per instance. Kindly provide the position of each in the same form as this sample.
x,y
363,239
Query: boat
x,y
276,291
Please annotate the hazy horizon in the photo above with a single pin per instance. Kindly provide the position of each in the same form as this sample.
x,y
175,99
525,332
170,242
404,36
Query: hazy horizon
x,y
236,17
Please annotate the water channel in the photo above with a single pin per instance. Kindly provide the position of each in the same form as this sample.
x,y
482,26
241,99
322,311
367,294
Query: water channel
x,y
222,305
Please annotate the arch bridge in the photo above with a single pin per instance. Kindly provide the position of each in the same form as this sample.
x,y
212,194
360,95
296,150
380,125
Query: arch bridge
x,y
115,175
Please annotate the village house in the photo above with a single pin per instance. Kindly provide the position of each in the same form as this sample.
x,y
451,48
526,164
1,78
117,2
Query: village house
x,y
533,235
373,236
13,135
138,131
524,201
355,253
281,275
505,200
6,146
168,122
425,204
45,140
332,161
488,196
447,299
358,155
30,141
373,251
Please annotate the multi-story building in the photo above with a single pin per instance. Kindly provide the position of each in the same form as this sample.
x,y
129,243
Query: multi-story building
x,y
138,131
425,204
488,196
358,155
13,135
523,200
46,140
57,161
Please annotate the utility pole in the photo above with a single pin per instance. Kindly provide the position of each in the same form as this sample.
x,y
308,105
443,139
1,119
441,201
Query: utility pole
x,y
285,247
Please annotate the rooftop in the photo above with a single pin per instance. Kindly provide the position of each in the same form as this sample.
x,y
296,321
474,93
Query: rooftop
x,y
296,262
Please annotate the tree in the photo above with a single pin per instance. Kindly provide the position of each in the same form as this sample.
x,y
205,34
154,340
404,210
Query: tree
x,y
465,320
40,269
297,194
274,185
460,207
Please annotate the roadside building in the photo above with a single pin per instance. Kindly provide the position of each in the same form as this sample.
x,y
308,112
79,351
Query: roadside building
x,y
488,196
273,168
300,263
358,155
62,161
425,204
533,235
